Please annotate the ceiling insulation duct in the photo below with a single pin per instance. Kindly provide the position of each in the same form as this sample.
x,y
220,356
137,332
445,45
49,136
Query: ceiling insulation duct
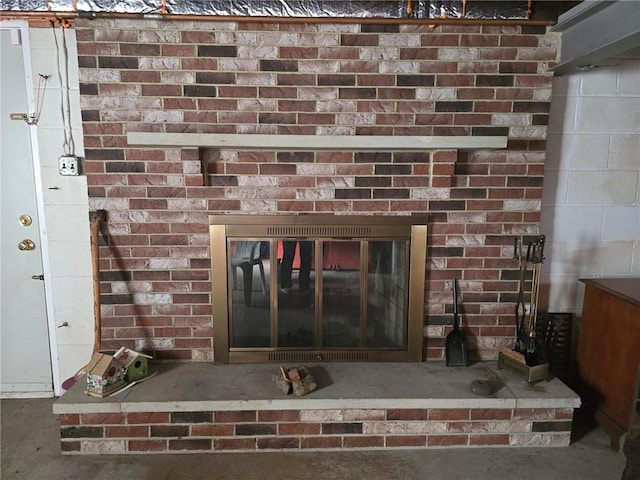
x,y
480,9
383,9
302,8
598,34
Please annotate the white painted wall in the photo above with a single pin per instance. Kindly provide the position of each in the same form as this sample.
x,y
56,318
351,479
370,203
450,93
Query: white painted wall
x,y
591,198
66,210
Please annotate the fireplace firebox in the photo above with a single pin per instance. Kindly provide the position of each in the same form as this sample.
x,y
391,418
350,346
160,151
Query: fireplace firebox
x,y
318,287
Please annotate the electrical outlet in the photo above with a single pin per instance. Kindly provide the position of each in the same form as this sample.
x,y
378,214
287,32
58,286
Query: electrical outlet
x,y
68,165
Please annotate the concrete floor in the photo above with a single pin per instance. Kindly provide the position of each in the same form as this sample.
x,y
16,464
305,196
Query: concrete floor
x,y
30,451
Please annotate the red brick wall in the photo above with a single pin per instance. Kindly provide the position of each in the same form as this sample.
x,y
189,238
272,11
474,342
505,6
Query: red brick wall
x,y
325,79
251,430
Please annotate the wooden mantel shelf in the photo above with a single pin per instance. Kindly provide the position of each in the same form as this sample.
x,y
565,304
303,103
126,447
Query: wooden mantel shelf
x,y
314,142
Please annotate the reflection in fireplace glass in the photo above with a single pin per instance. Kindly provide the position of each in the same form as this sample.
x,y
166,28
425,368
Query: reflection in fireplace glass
x,y
296,299
341,294
249,294
386,296
323,300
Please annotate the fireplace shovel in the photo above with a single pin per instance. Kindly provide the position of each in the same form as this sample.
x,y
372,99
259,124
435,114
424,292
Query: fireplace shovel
x,y
456,342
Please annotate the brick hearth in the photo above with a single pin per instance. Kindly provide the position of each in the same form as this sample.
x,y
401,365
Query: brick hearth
x,y
232,408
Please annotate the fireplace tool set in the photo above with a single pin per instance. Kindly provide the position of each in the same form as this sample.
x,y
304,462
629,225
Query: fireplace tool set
x,y
527,359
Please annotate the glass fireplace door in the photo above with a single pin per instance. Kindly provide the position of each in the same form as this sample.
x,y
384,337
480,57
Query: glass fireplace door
x,y
249,279
295,305
341,319
386,294
317,287
290,294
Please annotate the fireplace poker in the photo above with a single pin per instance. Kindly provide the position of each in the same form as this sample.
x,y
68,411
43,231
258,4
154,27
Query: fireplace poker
x,y
520,309
98,217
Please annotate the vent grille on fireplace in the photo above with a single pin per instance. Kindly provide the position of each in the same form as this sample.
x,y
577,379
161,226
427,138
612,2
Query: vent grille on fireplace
x,y
318,231
319,356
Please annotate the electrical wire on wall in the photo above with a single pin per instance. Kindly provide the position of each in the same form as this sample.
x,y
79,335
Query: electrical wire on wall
x,y
68,162
34,117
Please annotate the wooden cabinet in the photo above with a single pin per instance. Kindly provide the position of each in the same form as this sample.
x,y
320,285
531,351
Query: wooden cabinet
x,y
608,355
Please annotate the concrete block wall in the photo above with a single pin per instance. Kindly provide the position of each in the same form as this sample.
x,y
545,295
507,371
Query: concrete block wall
x,y
591,200
66,206
325,79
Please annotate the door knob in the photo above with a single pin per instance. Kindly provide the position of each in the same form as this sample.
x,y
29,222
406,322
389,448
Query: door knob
x,y
26,245
25,220
37,277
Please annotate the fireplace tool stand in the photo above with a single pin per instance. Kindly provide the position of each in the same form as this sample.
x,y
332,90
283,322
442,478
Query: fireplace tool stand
x,y
528,358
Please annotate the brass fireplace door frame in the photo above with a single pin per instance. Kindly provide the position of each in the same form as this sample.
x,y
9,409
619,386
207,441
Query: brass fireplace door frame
x,y
317,227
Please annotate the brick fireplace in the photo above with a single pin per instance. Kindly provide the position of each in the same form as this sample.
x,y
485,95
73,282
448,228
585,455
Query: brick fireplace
x,y
273,80
270,78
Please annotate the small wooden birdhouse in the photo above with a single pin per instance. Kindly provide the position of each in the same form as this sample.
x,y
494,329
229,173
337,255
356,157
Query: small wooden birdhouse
x,y
104,375
135,363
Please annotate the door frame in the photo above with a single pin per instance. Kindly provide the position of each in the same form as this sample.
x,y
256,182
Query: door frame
x,y
22,27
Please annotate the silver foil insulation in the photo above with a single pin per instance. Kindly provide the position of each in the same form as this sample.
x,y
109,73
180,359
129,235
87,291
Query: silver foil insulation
x,y
472,9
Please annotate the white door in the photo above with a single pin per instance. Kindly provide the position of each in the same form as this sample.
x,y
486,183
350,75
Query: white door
x,y
25,359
